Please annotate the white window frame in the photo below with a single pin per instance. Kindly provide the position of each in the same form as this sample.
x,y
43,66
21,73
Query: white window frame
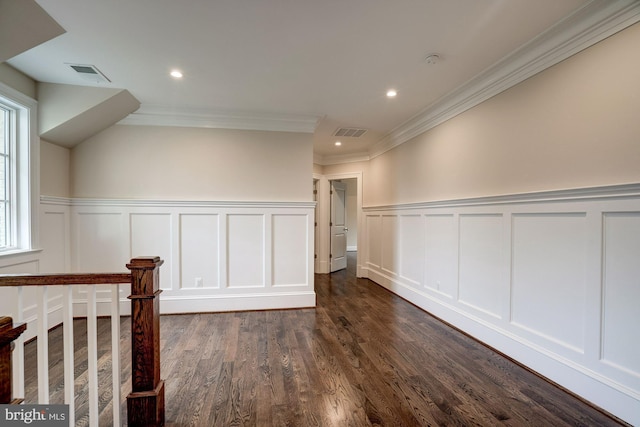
x,y
25,162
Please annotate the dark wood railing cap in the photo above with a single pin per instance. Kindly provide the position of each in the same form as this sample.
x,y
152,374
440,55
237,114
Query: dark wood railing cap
x,y
8,331
145,262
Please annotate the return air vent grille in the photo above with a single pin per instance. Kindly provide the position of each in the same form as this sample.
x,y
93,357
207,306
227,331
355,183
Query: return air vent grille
x,y
350,132
89,72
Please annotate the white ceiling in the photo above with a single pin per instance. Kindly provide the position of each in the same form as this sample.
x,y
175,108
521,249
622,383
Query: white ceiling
x,y
295,61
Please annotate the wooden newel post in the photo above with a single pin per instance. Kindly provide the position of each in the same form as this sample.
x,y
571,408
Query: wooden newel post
x,y
145,403
8,334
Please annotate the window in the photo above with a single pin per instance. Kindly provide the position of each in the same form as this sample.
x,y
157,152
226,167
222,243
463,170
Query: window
x,y
19,152
6,233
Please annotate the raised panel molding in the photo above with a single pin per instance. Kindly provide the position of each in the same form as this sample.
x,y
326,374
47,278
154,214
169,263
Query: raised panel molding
x,y
374,245
390,244
290,266
246,251
199,251
412,242
550,279
481,285
54,239
100,243
151,235
621,291
441,255
549,259
218,256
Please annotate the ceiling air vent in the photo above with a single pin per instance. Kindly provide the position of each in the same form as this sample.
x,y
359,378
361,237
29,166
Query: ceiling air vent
x,y
89,72
350,132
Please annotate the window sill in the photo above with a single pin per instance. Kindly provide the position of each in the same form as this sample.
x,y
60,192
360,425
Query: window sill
x,y
18,252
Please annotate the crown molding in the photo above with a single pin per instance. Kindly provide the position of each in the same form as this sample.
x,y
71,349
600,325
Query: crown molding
x,y
340,159
160,115
592,23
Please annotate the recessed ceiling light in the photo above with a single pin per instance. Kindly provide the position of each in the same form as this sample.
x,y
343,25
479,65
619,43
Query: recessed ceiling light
x,y
338,144
176,74
391,93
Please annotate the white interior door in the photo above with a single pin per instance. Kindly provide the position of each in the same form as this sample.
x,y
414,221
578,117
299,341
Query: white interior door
x,y
338,226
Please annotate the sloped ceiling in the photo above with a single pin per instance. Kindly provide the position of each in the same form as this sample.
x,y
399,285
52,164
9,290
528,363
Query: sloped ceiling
x,y
67,114
70,114
23,25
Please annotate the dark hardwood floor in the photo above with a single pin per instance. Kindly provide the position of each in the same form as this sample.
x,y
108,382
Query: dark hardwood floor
x,y
362,357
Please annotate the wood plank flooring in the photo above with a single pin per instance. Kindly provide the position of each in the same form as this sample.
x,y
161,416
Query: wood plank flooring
x,y
362,357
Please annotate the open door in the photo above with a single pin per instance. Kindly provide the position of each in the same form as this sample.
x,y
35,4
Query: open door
x,y
338,226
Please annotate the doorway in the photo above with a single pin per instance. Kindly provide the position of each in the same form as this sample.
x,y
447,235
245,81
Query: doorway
x,y
351,239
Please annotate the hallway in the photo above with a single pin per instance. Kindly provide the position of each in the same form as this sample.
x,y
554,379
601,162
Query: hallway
x,y
362,357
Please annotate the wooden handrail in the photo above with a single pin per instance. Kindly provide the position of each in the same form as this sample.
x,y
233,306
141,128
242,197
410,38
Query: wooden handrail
x,y
64,279
145,403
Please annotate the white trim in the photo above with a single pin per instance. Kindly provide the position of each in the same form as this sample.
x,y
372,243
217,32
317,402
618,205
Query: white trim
x,y
576,194
237,302
594,22
53,200
160,115
27,163
322,263
129,233
63,201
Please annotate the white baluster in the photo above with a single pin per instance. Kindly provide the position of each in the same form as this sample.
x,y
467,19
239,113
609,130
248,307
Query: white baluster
x,y
43,345
67,329
115,352
92,354
18,352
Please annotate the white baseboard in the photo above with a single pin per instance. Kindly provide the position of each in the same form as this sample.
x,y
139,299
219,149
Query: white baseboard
x,y
222,303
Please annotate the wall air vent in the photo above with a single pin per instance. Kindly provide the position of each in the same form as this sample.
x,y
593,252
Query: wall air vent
x,y
350,132
90,73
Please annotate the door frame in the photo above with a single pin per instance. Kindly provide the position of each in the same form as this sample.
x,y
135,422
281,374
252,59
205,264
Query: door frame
x,y
338,199
322,264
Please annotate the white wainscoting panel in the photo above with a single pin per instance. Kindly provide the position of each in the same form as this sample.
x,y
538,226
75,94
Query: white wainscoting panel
x,y
549,258
481,282
441,254
550,279
411,253
390,244
246,251
54,241
199,251
374,241
621,293
218,256
100,242
290,249
151,234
